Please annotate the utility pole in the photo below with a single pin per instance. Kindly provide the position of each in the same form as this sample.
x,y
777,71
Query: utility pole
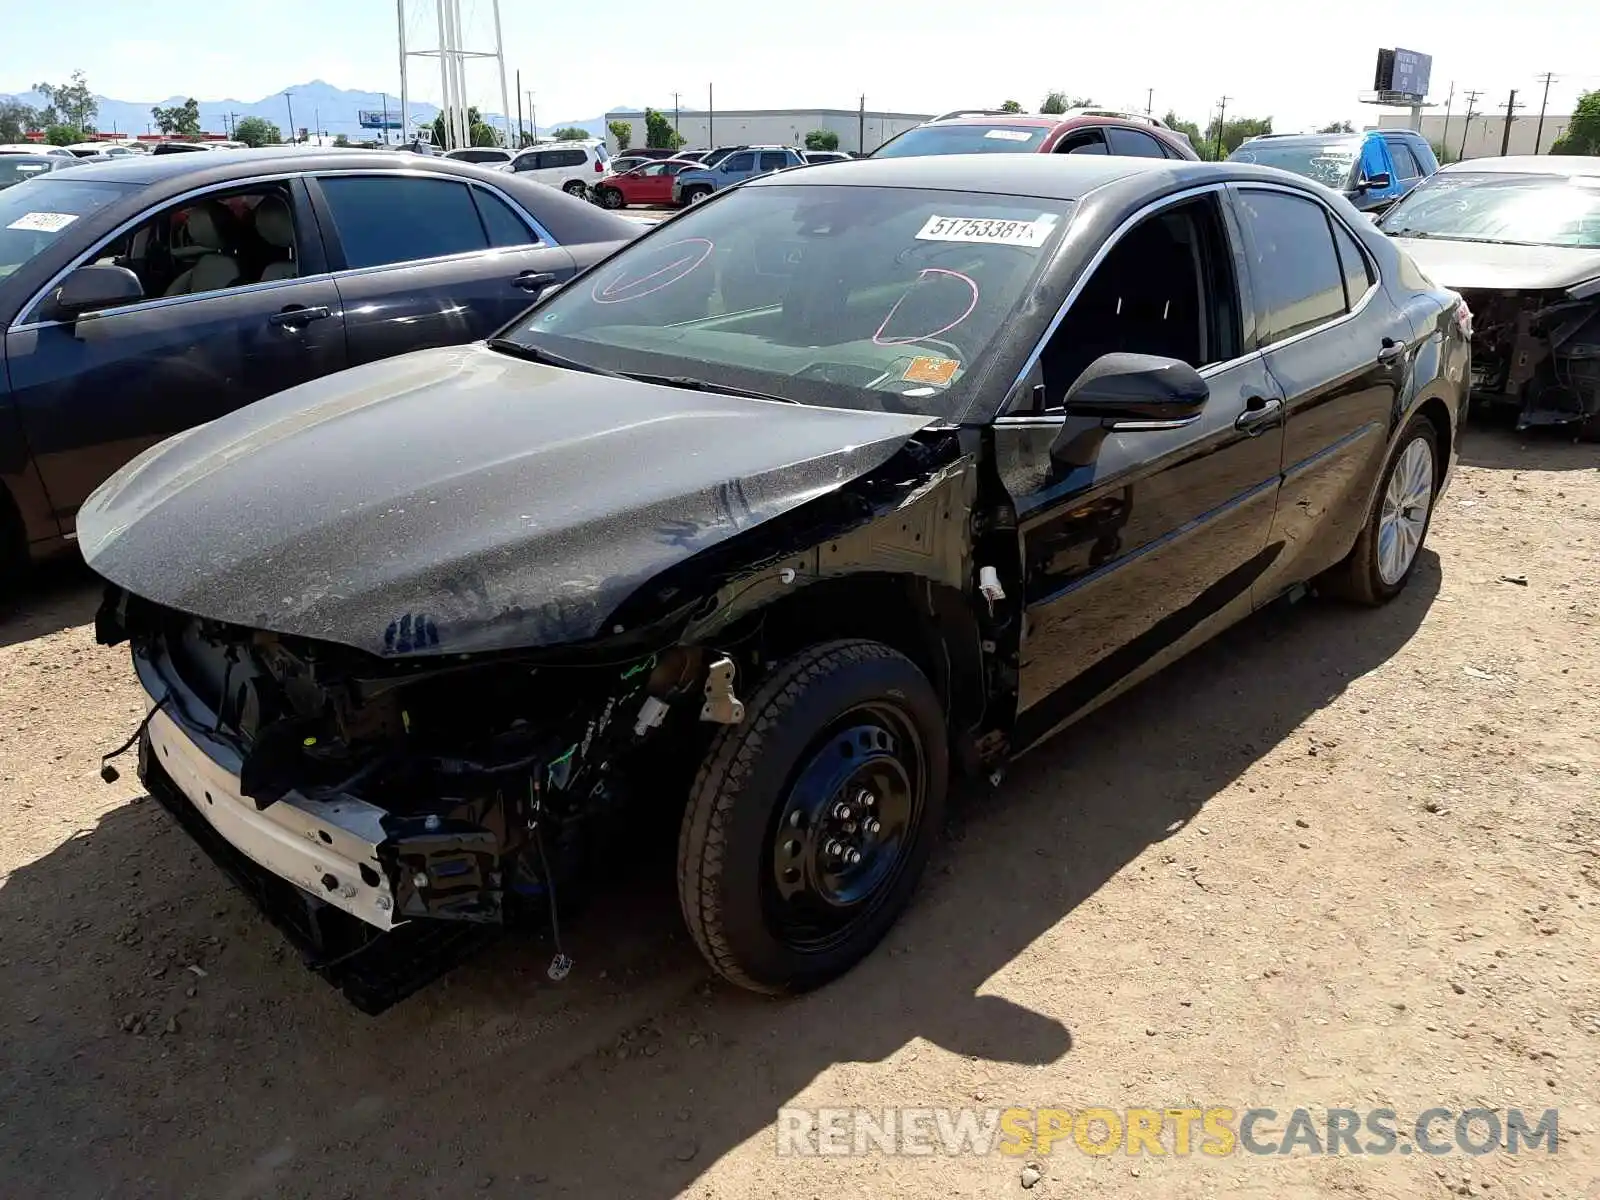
x,y
405,85
1222,118
675,106
711,116
861,126
1466,128
1505,134
1149,101
290,103
1444,138
533,115
1538,137
519,107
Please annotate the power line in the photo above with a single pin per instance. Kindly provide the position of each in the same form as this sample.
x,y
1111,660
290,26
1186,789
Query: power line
x,y
1538,137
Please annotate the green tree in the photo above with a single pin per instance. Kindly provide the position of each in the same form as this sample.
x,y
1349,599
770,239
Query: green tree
x,y
182,120
1011,106
570,133
18,120
1443,153
1337,127
257,131
659,133
623,132
478,132
822,139
1234,131
1058,102
1583,133
1188,128
63,135
73,101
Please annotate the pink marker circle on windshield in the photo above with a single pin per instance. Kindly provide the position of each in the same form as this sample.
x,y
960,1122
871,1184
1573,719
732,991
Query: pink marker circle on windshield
x,y
970,301
682,258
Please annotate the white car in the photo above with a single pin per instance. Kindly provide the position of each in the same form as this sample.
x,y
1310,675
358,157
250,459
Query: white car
x,y
574,167
113,149
30,148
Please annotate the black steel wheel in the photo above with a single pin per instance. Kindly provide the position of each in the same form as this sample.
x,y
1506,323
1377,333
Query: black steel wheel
x,y
810,821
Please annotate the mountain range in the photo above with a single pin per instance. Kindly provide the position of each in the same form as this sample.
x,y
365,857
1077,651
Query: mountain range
x,y
318,106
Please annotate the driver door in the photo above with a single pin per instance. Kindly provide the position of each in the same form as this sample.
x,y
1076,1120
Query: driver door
x,y
1140,542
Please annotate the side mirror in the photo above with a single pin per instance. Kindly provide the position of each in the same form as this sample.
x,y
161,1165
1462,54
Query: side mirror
x,y
93,287
1137,387
1380,181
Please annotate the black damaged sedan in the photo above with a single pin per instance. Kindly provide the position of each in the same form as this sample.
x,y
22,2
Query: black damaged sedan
x,y
834,486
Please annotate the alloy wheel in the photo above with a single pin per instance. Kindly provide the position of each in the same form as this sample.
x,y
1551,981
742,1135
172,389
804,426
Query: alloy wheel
x,y
1404,517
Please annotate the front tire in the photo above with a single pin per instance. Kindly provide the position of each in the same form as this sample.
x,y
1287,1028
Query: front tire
x,y
695,194
610,198
1385,554
810,822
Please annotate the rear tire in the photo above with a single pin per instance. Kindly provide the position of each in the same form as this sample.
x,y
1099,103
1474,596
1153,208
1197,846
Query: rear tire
x,y
576,187
1385,554
842,752
610,198
15,561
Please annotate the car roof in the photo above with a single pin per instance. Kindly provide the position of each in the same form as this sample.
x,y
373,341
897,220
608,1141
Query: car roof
x,y
1046,122
1050,176
220,165
1529,164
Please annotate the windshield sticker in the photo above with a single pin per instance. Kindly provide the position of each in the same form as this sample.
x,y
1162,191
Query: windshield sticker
x,y
682,257
1008,135
991,230
936,283
43,222
931,370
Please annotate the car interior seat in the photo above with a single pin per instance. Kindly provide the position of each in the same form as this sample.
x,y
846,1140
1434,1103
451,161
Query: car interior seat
x,y
215,266
274,225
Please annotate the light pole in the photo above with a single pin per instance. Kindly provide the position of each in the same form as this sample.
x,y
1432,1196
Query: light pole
x,y
290,103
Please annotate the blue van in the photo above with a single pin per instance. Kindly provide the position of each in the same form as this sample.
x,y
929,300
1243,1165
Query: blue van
x,y
1373,169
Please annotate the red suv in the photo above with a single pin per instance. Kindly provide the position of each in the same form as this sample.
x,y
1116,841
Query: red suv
x,y
1076,131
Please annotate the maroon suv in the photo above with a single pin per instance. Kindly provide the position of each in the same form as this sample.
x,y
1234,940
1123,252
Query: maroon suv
x,y
1077,131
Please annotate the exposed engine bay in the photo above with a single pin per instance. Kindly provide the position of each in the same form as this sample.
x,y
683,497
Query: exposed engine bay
x,y
1539,351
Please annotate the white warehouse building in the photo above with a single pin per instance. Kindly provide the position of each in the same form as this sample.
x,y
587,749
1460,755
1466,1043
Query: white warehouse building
x,y
857,130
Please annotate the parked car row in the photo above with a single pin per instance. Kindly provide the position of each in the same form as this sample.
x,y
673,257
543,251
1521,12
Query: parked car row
x,y
844,479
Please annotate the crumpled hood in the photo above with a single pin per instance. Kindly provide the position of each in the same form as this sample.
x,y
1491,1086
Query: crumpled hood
x,y
1487,266
459,499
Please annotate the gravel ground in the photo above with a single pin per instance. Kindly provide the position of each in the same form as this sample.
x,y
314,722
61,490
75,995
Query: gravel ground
x,y
1337,858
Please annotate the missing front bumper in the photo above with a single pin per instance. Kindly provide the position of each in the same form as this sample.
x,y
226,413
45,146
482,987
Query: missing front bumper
x,y
375,964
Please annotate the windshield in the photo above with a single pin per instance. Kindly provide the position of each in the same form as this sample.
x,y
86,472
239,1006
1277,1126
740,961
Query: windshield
x,y
33,217
1331,163
14,168
1524,210
963,139
845,297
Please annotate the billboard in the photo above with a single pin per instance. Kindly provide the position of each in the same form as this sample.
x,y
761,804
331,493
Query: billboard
x,y
372,118
1404,72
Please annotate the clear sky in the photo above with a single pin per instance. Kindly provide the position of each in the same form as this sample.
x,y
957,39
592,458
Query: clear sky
x,y
1300,63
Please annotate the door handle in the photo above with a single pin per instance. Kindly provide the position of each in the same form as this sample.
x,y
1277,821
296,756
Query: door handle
x,y
1261,414
298,316
1392,350
533,281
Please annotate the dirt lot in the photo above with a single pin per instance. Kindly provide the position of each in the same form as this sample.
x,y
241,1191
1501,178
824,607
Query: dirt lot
x,y
1339,858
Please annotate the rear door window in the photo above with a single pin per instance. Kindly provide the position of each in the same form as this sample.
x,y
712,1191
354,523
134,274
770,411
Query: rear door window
x,y
1133,144
392,219
505,228
773,160
1299,281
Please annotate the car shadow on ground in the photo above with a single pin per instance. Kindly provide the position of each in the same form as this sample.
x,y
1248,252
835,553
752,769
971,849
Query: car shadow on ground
x,y
635,1075
53,596
1491,442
